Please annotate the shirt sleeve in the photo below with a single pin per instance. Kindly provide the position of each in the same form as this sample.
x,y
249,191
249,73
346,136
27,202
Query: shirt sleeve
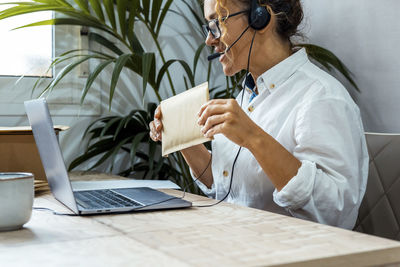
x,y
331,181
209,192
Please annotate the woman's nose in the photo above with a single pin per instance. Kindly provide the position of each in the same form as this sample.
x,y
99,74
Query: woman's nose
x,y
210,40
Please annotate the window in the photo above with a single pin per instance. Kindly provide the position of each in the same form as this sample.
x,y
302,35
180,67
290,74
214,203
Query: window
x,y
25,52
28,53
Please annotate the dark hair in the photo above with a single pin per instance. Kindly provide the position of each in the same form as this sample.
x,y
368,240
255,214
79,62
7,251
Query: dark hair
x,y
289,14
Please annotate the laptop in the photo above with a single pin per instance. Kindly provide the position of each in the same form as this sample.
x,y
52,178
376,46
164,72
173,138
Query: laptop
x,y
87,201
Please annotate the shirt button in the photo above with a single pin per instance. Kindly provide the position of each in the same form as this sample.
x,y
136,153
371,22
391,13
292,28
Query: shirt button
x,y
251,108
271,86
225,173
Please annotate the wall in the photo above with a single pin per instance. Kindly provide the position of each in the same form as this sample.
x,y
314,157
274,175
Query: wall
x,y
365,35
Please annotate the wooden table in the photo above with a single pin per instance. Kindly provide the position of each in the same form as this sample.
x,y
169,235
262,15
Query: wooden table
x,y
223,235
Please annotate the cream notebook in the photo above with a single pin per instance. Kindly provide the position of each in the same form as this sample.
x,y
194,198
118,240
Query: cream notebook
x,y
179,119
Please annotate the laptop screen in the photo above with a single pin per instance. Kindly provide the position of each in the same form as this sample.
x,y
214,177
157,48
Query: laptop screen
x,y
50,152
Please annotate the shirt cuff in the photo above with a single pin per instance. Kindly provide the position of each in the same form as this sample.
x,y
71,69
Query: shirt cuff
x,y
297,192
207,191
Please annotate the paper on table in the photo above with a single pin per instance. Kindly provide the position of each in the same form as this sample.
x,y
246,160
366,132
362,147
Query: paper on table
x,y
114,184
179,119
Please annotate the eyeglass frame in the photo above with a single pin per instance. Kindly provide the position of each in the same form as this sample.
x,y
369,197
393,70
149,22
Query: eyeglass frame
x,y
217,34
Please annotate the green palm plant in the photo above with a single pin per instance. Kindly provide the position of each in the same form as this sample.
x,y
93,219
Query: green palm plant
x,y
113,23
111,135
112,26
116,21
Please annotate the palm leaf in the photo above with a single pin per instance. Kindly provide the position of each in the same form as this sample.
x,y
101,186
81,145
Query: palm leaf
x,y
60,2
68,69
99,148
159,165
134,146
122,6
22,9
106,155
197,57
109,7
119,64
148,72
53,63
155,9
96,6
135,43
67,21
165,67
65,57
152,151
133,40
198,16
92,76
161,18
104,42
116,150
88,129
122,124
83,5
108,125
146,9
82,50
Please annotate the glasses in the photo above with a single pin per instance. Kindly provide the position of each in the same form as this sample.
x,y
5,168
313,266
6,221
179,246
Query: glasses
x,y
212,26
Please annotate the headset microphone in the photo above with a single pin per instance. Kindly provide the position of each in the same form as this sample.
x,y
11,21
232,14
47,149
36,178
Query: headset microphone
x,y
216,55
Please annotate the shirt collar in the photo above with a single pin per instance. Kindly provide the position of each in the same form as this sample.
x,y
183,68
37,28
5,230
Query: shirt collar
x,y
249,83
274,77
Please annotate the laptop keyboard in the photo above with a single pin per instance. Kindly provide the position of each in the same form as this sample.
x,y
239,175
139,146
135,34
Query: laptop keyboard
x,y
100,199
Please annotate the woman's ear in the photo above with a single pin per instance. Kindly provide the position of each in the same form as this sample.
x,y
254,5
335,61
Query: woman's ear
x,y
271,22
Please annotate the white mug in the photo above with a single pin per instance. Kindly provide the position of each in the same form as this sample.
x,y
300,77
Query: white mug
x,y
16,199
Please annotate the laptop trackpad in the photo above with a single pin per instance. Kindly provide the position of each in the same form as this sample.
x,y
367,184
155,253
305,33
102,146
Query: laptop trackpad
x,y
143,195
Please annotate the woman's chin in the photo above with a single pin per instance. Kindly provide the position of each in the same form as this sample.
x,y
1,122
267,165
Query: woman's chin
x,y
228,70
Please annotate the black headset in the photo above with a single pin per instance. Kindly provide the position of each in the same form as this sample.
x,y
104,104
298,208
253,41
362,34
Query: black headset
x,y
259,17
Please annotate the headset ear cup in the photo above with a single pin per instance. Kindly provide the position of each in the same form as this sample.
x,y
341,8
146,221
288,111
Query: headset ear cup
x,y
259,16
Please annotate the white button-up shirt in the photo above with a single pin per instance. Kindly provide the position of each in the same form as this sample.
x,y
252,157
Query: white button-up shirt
x,y
312,115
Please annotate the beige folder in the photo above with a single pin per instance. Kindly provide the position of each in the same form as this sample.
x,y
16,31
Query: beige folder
x,y
179,119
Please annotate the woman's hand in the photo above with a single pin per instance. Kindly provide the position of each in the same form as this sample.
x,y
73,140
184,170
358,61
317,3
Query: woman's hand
x,y
156,126
225,116
197,157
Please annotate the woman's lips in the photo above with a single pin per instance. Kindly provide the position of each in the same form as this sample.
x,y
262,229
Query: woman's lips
x,y
221,58
223,51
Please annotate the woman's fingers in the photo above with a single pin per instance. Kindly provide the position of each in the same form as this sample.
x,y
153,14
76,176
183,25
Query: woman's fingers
x,y
155,134
212,122
156,125
212,108
152,131
157,113
216,129
211,103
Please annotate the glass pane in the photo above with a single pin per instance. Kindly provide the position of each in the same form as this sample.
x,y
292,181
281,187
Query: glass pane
x,y
26,51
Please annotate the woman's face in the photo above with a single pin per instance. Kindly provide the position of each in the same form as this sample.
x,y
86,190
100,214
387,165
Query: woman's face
x,y
236,58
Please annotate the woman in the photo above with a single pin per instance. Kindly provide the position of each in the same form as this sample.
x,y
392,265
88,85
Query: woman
x,y
300,135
